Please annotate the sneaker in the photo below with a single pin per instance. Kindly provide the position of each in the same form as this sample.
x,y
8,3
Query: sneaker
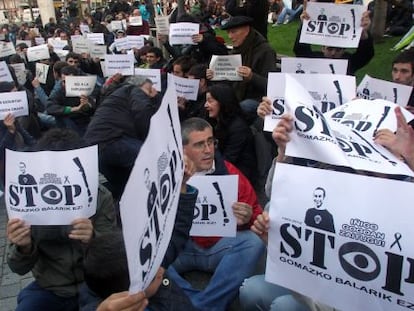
x,y
275,25
285,22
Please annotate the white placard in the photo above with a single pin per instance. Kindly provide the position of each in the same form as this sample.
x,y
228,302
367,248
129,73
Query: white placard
x,y
119,63
115,25
97,51
80,45
149,203
6,49
332,25
39,52
121,44
314,65
371,88
20,71
136,42
328,91
181,33
163,25
187,88
52,187
368,116
347,248
5,74
213,213
225,67
27,42
39,40
152,74
76,86
84,28
135,20
319,138
97,38
41,72
57,43
14,103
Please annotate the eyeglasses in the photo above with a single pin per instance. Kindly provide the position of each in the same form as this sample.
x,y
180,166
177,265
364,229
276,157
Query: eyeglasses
x,y
210,143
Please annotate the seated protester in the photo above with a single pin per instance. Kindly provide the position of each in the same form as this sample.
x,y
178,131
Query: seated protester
x,y
113,48
154,58
206,43
24,79
215,254
119,127
97,27
84,63
399,17
54,253
50,80
363,54
235,139
106,268
258,59
71,112
195,108
403,73
141,56
133,30
182,65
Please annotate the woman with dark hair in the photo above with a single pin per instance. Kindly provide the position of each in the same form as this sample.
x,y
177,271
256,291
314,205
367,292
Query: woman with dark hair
x,y
235,139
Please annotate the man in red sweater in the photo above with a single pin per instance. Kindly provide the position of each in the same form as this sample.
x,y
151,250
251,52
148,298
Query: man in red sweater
x,y
230,259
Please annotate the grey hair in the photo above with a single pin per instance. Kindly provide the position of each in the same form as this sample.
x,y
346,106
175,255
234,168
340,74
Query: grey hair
x,y
138,80
193,125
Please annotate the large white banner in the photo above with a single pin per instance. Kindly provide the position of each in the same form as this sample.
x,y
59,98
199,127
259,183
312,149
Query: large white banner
x,y
314,65
119,63
332,24
213,214
326,90
342,239
319,138
52,187
181,33
149,203
225,67
14,103
371,88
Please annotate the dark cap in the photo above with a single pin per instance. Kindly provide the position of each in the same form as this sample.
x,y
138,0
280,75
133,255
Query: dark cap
x,y
237,21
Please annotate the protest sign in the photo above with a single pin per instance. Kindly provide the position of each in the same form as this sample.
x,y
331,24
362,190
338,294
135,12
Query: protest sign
x,y
327,91
332,25
20,71
84,28
371,88
5,74
97,51
38,52
135,42
39,40
163,25
181,33
97,37
152,74
6,49
76,86
319,138
57,43
339,245
52,187
41,72
119,63
27,42
121,44
368,116
135,20
116,25
187,88
225,67
80,45
149,203
314,65
213,213
14,103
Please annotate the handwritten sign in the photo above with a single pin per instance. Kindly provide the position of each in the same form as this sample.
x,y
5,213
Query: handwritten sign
x,y
225,67
181,33
14,103
79,85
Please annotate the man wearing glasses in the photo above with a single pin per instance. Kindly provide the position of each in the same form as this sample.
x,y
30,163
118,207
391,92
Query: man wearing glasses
x,y
230,259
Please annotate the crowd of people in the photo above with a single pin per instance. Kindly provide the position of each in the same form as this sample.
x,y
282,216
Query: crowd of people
x,y
83,266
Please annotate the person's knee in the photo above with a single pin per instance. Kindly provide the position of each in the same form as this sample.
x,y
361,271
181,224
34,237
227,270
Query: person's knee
x,y
287,303
250,292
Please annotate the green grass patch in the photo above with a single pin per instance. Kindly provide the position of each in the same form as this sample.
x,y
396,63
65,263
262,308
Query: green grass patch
x,y
282,39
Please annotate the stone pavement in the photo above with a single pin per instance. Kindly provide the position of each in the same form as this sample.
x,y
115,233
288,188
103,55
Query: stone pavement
x,y
10,283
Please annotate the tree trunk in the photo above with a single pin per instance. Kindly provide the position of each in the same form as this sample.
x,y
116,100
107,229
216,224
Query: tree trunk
x,y
378,21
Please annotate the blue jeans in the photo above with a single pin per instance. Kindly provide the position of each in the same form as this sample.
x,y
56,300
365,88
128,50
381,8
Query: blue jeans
x,y
257,294
33,297
231,260
292,14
